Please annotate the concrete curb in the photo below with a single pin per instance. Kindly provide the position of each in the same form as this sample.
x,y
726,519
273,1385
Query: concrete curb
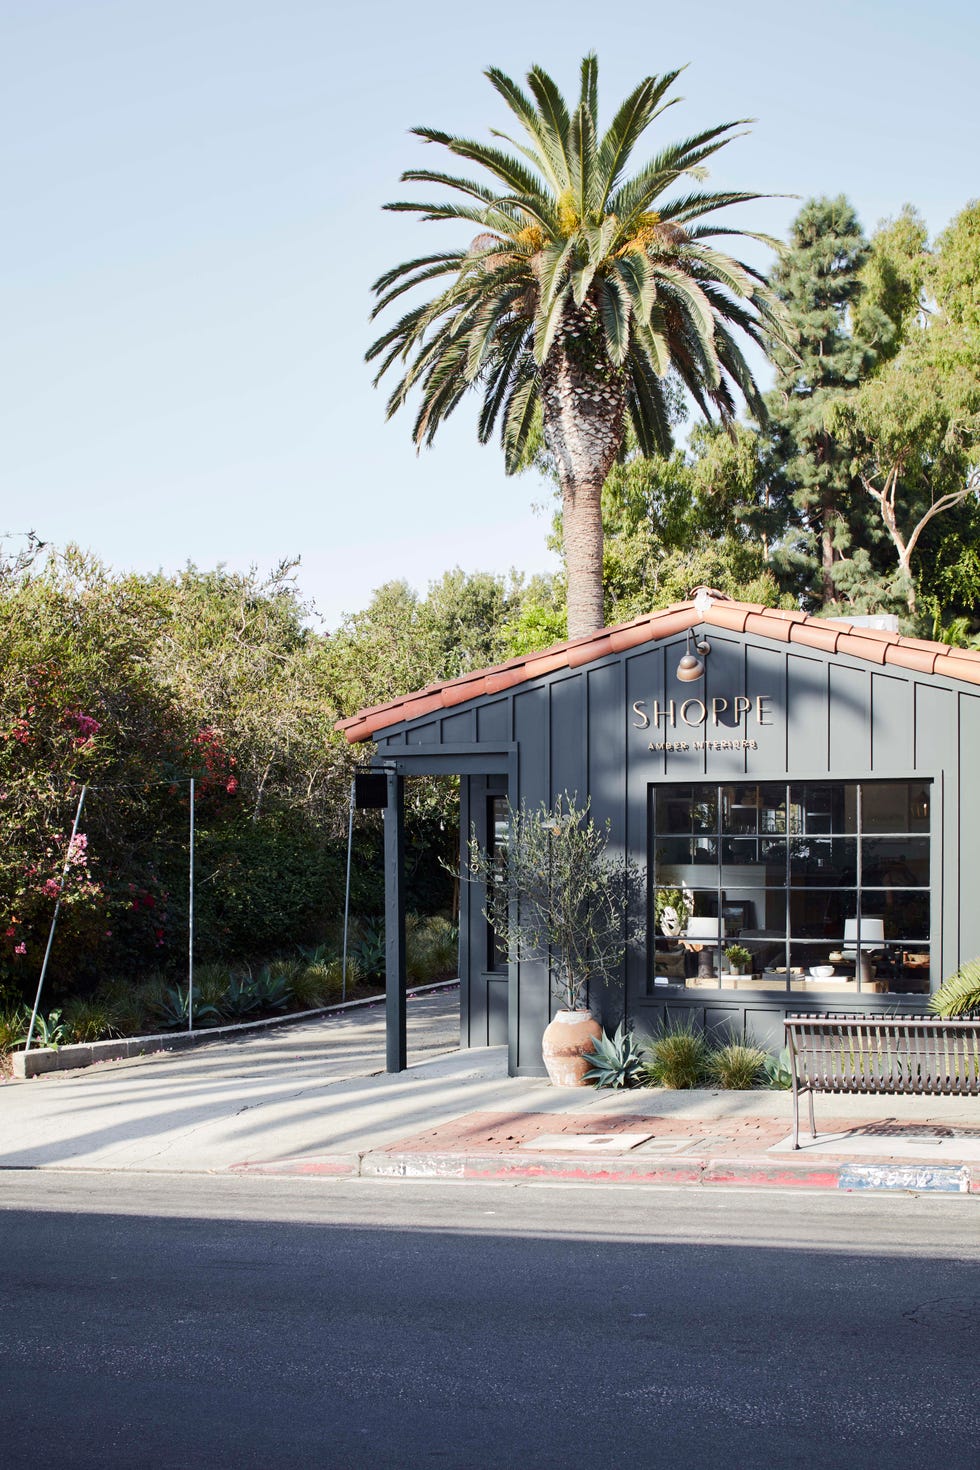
x,y
77,1055
754,1173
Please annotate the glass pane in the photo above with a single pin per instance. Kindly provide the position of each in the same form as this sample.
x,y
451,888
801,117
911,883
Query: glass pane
x,y
819,913
825,807
673,850
772,852
823,859
906,915
890,862
669,912
772,808
740,809
705,850
895,806
704,810
672,809
910,969
739,850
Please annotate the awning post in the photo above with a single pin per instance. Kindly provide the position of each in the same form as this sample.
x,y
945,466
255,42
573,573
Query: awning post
x,y
395,972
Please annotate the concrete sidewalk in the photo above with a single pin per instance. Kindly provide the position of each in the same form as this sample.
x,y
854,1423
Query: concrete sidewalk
x,y
311,1099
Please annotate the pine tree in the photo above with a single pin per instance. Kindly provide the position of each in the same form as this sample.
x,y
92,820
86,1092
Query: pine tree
x,y
819,280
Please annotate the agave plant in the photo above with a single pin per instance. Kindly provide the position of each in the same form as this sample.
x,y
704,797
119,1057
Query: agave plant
x,y
778,1071
960,994
616,1061
273,991
583,293
171,1010
240,999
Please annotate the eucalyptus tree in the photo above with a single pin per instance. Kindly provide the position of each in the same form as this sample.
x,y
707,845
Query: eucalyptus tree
x,y
584,287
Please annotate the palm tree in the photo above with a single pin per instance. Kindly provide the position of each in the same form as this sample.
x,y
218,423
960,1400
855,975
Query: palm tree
x,y
582,290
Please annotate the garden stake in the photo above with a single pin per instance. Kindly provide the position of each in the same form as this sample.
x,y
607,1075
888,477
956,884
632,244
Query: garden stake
x,y
350,840
54,920
190,920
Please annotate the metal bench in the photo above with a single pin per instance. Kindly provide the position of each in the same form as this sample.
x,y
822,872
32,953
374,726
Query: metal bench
x,y
908,1055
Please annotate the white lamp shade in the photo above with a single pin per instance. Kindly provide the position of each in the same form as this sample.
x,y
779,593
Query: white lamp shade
x,y
705,928
872,933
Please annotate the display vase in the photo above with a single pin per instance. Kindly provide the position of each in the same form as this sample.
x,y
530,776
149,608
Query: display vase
x,y
565,1047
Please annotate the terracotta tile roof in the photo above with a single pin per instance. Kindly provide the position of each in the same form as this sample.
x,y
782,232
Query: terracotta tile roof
x,y
829,636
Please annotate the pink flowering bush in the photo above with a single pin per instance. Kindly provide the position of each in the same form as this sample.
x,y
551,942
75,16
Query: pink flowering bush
x,y
129,686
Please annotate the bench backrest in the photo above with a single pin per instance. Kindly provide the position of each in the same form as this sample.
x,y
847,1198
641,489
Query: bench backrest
x,y
900,1054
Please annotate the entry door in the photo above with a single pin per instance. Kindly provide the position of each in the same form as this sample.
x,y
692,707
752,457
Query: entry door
x,y
483,963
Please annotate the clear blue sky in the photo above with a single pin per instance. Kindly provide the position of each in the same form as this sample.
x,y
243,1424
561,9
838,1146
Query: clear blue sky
x,y
191,222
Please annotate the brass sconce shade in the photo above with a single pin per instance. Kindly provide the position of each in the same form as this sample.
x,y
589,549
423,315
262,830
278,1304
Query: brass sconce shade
x,y
691,666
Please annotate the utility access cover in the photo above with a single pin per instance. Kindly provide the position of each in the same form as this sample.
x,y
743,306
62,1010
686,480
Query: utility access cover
x,y
586,1143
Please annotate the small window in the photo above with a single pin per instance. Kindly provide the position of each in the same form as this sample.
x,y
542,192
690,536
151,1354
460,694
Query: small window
x,y
498,830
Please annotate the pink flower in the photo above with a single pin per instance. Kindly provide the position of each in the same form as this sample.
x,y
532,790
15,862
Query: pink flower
x,y
231,786
78,850
87,727
52,888
20,948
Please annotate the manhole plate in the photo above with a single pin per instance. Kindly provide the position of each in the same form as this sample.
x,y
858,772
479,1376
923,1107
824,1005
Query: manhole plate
x,y
587,1143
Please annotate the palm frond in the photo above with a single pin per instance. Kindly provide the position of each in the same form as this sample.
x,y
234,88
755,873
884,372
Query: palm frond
x,y
552,123
519,419
960,994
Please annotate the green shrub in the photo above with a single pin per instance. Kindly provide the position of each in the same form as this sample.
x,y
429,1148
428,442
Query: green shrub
x,y
91,1019
308,987
333,973
14,1021
735,1066
431,949
676,1057
211,984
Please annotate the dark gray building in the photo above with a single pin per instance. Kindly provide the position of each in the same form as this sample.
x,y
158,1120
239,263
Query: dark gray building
x,y
812,796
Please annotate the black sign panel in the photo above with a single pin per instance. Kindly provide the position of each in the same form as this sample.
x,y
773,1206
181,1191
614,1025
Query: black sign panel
x,y
370,789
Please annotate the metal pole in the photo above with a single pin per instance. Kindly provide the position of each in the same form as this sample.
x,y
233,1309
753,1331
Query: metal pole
x,y
54,919
190,920
350,841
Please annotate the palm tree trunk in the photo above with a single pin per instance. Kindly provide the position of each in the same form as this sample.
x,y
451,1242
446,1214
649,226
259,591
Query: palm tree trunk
x,y
583,401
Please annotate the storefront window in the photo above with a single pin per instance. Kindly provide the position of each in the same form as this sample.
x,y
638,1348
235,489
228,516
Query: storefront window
x,y
802,887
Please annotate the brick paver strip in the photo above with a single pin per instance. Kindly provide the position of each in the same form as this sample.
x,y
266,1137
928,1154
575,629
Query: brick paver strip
x,y
493,1132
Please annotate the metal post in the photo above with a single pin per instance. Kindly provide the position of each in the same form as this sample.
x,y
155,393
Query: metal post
x,y
395,997
54,918
350,843
190,919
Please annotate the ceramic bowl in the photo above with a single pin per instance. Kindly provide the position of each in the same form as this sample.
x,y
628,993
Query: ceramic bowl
x,y
821,972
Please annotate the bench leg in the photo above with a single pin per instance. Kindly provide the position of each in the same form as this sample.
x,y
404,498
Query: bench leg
x,y
796,1113
813,1126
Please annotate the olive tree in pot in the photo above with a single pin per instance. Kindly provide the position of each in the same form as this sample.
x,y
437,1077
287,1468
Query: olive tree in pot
x,y
557,894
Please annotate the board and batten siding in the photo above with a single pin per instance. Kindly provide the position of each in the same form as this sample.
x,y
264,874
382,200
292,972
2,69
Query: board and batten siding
x,y
827,715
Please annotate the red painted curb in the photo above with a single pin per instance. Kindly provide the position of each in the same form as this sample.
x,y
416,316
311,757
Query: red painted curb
x,y
330,1166
707,1173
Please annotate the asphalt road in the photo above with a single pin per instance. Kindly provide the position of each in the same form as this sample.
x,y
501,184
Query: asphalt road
x,y
165,1321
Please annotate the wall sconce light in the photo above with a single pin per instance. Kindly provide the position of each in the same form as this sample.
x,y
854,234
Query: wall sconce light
x,y
691,666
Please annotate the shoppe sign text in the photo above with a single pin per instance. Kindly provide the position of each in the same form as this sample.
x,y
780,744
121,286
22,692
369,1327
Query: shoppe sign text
x,y
676,715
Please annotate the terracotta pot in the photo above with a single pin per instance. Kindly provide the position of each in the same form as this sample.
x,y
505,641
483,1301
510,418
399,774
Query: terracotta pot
x,y
564,1040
